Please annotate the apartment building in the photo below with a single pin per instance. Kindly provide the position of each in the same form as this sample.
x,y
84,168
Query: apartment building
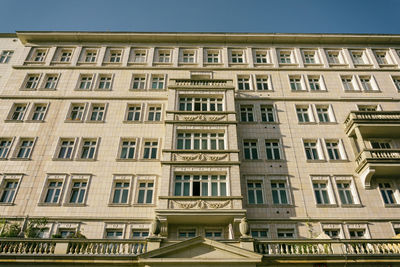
x,y
152,149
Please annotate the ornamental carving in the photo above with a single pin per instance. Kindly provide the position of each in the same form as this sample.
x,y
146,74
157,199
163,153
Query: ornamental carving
x,y
200,204
200,118
199,157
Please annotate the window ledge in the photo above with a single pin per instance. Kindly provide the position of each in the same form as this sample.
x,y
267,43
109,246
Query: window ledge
x,y
298,91
263,64
157,90
162,63
288,64
308,123
338,64
137,63
150,205
20,159
316,160
372,91
351,206
131,122
35,62
86,63
138,89
352,91
90,121
281,206
257,205
119,205
253,160
392,205
7,204
3,159
74,205
153,122
338,160
15,121
275,160
150,160
47,89
125,160
28,89
326,205
317,91
270,122
79,159
313,64
388,65
363,65
61,62
43,204
213,64
248,122
102,90
328,123
112,63
34,121
188,63
58,159
73,121
238,64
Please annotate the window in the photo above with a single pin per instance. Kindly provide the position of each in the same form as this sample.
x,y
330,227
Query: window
x,y
312,150
88,149
321,192
164,56
115,56
213,56
138,233
213,233
24,148
335,150
368,83
349,83
39,55
120,192
304,113
200,104
246,113
357,233
262,83
105,82
324,113
157,82
285,233
380,145
8,190
367,107
358,57
150,150
187,233
381,57
133,113
128,148
285,57
78,191
51,81
309,57
18,112
139,56
273,149
85,82
32,81
65,55
97,112
332,233
315,83
145,193
66,233
114,233
200,141
53,191
296,83
345,192
396,81
237,57
259,233
243,83
250,149
261,57
200,185
76,113
267,113
139,82
6,56
66,149
154,113
90,56
255,192
279,192
387,193
188,57
5,145
334,57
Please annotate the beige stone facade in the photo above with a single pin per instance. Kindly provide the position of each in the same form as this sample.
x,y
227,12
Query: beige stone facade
x,y
102,133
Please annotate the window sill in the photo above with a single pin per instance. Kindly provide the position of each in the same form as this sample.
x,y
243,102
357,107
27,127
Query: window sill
x,y
313,65
213,64
392,205
313,91
274,160
83,89
20,159
108,63
47,89
79,159
372,91
34,121
307,123
267,64
7,204
315,160
28,89
102,89
157,90
137,63
270,122
73,121
253,160
119,205
150,205
153,122
125,160
338,64
14,121
328,123
248,122
89,121
282,206
352,91
59,159
74,205
338,160
86,63
35,62
257,205
326,205
150,160
238,63
60,62
363,65
131,122
351,206
388,65
43,204
288,64
138,89
188,63
298,91
162,63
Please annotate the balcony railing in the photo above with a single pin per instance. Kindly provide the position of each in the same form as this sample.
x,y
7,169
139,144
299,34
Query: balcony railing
x,y
327,247
375,117
188,83
380,155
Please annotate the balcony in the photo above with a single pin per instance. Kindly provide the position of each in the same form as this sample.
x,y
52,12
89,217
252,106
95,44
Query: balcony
x,y
200,84
374,123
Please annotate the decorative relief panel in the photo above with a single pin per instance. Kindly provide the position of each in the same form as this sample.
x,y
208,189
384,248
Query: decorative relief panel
x,y
199,157
201,204
201,117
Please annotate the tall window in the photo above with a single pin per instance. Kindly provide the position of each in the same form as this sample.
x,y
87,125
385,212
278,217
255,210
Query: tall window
x,y
145,193
396,81
295,83
120,192
104,82
321,192
66,149
164,57
285,57
303,114
333,148
32,81
85,82
381,58
261,57
212,57
128,148
5,56
78,192
139,82
345,194
18,112
314,83
115,56
255,192
150,150
279,192
188,57
200,104
309,57
237,57
387,193
311,150
5,145
53,191
273,149
25,149
250,149
267,113
262,83
88,149
246,113
366,83
8,191
348,83
323,114
203,141
200,185
154,113
51,82
133,113
139,57
157,82
244,83
77,111
97,113
90,56
65,55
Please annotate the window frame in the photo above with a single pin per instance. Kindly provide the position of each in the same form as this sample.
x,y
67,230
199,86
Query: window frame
x,y
91,110
237,56
6,55
70,110
151,147
81,147
35,86
295,81
120,178
206,187
5,179
109,55
73,179
141,109
251,148
59,146
340,149
309,112
318,147
286,189
109,80
18,148
140,51
82,76
89,55
279,147
352,188
255,180
216,54
121,146
45,189
146,180
323,179
329,113
10,147
13,110
164,55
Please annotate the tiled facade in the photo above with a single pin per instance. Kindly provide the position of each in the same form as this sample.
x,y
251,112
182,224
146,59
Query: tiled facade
x,y
103,132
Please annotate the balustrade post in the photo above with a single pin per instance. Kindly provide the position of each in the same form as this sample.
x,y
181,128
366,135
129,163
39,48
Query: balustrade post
x,y
153,243
247,243
61,248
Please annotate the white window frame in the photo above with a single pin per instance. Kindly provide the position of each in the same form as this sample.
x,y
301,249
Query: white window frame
x,y
313,52
143,147
340,147
388,57
6,178
13,110
158,76
287,189
36,83
251,148
158,110
265,80
364,57
164,56
279,147
141,106
330,113
321,83
141,51
85,55
114,50
244,106
91,107
136,148
109,80
77,178
353,189
59,55
46,78
274,115
234,55
318,147
10,146
395,189
309,112
265,56
358,227
353,82
183,52
50,178
82,144
145,179
213,52
243,80
254,180
84,76
59,145
34,54
68,118
6,56
18,147
372,83
291,57
396,82
301,82
141,80
323,180
340,57
191,137
119,178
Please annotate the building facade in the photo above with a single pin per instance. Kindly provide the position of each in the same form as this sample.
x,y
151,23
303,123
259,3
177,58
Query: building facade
x,y
157,148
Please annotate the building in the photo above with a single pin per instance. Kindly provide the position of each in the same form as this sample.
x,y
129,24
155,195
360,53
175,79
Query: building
x,y
199,149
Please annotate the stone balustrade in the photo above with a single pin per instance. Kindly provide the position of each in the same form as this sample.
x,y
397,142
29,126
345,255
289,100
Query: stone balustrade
x,y
371,117
380,155
188,83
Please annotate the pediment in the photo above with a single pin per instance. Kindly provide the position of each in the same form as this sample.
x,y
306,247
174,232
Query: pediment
x,y
201,249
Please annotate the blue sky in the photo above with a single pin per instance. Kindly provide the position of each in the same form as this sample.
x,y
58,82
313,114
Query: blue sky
x,y
287,16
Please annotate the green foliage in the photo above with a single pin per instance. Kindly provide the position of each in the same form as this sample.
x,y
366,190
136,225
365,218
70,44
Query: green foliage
x,y
10,230
35,227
